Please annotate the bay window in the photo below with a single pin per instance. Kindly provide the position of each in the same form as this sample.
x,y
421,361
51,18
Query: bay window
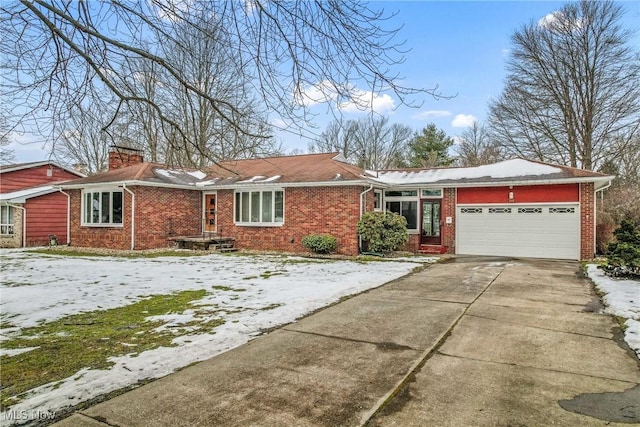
x,y
102,208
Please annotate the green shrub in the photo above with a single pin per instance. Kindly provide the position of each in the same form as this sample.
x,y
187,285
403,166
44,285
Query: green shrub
x,y
320,243
383,231
623,256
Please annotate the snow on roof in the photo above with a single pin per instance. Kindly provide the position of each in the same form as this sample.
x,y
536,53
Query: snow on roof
x,y
260,179
181,176
21,196
507,169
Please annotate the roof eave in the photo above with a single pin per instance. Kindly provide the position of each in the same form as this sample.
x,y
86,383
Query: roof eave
x,y
132,183
598,181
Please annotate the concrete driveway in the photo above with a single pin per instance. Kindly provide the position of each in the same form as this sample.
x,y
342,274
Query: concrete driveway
x,y
472,341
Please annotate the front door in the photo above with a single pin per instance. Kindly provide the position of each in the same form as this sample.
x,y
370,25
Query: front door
x,y
210,213
430,234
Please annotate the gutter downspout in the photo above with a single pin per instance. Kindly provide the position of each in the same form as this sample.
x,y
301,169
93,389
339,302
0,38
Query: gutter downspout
x,y
362,208
24,223
133,216
68,216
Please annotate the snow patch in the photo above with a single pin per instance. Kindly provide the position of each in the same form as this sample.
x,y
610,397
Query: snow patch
x,y
56,286
622,298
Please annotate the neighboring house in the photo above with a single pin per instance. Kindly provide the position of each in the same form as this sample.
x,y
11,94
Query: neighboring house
x,y
513,208
32,208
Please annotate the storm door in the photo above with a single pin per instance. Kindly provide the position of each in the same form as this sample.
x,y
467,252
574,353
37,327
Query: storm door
x,y
210,213
431,222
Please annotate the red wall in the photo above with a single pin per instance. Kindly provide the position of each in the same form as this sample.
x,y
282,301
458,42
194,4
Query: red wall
x,y
46,215
33,177
526,194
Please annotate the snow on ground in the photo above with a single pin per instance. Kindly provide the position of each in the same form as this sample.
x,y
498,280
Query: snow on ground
x,y
260,292
622,298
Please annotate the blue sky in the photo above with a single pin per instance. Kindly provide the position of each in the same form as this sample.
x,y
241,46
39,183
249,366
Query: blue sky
x,y
460,46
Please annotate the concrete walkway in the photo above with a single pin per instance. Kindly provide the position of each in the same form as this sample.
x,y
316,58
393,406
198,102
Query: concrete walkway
x,y
468,342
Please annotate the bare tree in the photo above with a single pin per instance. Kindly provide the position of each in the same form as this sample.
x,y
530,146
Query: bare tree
x,y
6,154
58,53
475,147
371,143
573,87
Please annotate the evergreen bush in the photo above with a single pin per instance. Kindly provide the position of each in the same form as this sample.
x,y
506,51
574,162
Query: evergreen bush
x,y
623,256
320,243
383,231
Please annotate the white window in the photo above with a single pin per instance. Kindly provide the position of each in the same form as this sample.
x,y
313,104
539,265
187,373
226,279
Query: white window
x,y
432,193
102,208
405,203
6,220
257,207
377,200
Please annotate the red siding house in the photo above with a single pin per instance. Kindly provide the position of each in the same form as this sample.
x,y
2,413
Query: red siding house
x,y
516,208
32,208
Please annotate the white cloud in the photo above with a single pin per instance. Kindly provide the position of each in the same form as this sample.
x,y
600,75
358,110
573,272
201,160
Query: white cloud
x,y
368,101
431,114
506,52
327,91
558,22
324,91
463,120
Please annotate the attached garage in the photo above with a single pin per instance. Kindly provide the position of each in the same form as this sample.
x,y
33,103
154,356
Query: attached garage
x,y
528,230
514,208
534,221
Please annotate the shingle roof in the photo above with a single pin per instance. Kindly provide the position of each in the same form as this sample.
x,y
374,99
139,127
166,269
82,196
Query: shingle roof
x,y
514,170
286,169
307,168
330,168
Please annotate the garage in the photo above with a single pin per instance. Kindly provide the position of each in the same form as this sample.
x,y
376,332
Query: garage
x,y
526,230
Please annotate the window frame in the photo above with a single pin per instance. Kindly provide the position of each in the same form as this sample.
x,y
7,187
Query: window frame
x,y
101,192
378,201
242,212
9,226
413,198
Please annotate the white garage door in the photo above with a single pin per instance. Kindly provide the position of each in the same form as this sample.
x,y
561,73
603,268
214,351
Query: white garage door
x,y
536,231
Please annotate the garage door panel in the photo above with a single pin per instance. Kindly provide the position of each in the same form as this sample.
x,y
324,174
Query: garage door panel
x,y
539,231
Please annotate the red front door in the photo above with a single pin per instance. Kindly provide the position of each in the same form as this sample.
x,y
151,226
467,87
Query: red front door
x,y
431,222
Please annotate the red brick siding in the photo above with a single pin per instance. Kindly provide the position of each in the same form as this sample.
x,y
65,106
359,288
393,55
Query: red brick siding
x,y
46,215
587,221
160,214
449,209
308,210
33,177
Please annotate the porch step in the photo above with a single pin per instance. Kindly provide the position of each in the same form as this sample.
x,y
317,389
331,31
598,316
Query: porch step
x,y
432,249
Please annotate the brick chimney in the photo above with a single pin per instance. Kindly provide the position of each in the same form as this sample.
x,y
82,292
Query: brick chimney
x,y
121,157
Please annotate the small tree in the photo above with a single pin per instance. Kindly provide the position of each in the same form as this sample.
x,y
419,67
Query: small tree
x,y
383,231
624,253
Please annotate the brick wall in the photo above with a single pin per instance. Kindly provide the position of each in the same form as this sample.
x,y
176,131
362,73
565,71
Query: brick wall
x,y
587,221
308,210
119,160
160,213
13,240
449,209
